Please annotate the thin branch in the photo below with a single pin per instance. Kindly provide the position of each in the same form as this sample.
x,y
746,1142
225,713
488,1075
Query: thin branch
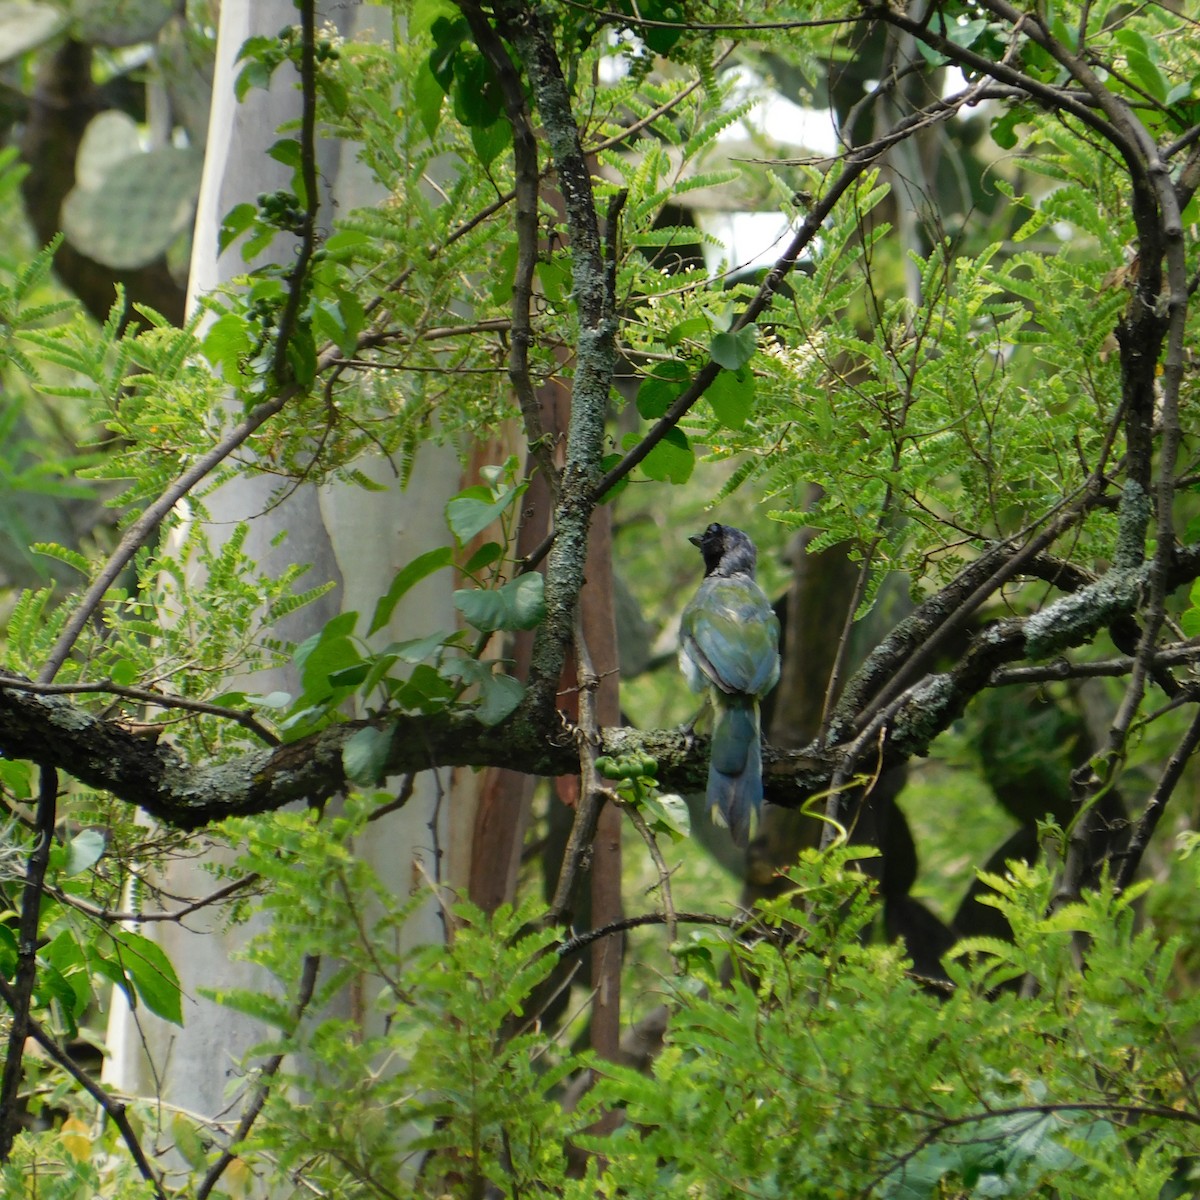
x,y
21,996
636,21
106,687
298,276
664,875
1061,669
525,222
581,941
114,1109
116,916
266,1075
592,793
1155,807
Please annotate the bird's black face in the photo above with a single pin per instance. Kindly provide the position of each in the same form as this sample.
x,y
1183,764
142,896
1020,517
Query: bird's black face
x,y
711,544
725,550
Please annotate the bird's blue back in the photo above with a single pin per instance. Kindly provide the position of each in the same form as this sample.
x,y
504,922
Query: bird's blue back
x,y
730,637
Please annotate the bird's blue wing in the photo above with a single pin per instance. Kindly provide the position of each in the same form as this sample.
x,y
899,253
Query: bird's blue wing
x,y
730,636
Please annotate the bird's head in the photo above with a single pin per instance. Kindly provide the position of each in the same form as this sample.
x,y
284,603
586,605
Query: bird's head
x,y
727,551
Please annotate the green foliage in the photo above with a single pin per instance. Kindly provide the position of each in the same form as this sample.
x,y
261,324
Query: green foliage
x,y
914,398
1016,1075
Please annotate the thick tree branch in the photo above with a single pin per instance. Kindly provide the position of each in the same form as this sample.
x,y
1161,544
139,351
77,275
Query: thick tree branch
x,y
528,30
156,777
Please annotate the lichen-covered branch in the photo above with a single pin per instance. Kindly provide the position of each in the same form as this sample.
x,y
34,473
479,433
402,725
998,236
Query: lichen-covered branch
x,y
155,776
528,31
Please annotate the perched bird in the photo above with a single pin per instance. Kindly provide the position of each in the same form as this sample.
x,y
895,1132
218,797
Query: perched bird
x,y
729,647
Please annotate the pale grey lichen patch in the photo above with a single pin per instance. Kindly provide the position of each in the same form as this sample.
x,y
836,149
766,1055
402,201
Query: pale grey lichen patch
x,y
1075,618
216,786
64,715
925,713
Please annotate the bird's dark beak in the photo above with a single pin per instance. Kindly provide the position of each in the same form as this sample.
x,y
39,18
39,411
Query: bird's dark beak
x,y
695,539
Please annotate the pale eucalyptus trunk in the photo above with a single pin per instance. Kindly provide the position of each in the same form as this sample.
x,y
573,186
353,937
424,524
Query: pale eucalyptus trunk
x,y
355,538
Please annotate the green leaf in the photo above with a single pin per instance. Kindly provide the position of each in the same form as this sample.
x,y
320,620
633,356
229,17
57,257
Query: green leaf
x,y
365,755
503,271
227,343
488,553
474,509
142,965
671,460
255,73
689,329
123,672
188,1142
491,140
288,152
302,354
63,554
670,811
1004,128
8,951
425,690
1181,91
408,576
519,604
658,390
606,464
326,654
733,350
236,221
84,850
15,774
731,395
967,33
475,92
1140,54
428,96
499,695
449,33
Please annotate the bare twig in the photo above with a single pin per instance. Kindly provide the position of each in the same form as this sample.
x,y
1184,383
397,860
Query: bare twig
x,y
21,996
297,276
664,875
1131,857
592,793
266,1075
581,941
106,687
113,1108
116,916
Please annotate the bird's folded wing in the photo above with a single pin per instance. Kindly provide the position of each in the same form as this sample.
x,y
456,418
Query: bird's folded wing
x,y
731,634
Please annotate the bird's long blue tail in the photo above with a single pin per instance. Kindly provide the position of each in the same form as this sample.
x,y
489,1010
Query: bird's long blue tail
x,y
735,790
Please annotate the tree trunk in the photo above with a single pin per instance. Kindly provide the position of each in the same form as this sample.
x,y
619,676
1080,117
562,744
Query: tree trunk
x,y
350,539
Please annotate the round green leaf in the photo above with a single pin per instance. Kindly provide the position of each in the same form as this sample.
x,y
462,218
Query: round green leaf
x,y
24,26
733,350
84,850
731,395
672,460
364,756
145,202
